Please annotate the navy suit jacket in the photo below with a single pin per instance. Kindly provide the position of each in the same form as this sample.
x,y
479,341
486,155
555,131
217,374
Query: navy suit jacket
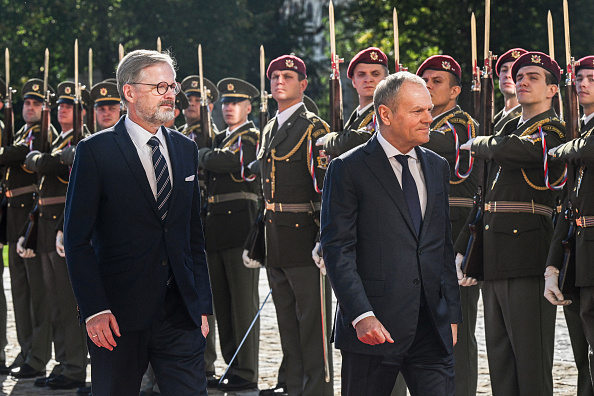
x,y
375,260
118,251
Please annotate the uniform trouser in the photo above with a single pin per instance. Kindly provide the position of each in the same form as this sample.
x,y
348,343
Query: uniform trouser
x,y
520,335
296,296
579,346
3,312
68,334
235,297
466,351
587,314
31,310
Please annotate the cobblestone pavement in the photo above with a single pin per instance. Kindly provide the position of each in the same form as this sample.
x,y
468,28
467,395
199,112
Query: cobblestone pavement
x,y
564,372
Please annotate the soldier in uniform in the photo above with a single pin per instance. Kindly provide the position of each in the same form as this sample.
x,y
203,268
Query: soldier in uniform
x,y
233,198
579,153
519,202
366,70
450,128
68,335
292,170
3,308
511,108
107,104
31,308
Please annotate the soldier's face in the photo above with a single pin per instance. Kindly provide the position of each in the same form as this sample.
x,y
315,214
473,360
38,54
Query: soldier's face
x,y
107,115
439,86
506,82
192,113
145,101
236,113
65,118
32,111
531,86
285,85
366,77
584,80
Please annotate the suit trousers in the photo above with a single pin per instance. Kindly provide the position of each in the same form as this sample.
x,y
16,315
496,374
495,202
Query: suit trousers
x,y
236,300
466,350
520,335
174,346
579,346
427,367
296,296
587,314
31,310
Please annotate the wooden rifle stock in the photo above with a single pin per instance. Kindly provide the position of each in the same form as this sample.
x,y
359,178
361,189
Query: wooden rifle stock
x,y
77,115
205,127
31,232
91,119
336,119
45,128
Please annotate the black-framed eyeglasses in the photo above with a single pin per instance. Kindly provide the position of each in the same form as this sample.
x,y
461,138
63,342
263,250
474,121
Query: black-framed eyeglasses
x,y
162,87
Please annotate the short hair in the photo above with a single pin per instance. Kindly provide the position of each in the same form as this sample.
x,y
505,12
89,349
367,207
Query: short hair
x,y
549,78
131,67
386,92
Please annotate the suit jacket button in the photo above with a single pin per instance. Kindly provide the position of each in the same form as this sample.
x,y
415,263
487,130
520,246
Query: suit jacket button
x,y
416,281
420,252
164,263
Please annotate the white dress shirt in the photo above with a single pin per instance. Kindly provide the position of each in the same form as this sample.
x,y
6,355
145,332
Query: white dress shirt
x,y
282,117
417,174
364,109
588,118
229,131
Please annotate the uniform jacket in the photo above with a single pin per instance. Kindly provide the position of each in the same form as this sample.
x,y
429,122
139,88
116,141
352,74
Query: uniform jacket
x,y
194,131
499,121
119,252
358,130
228,223
375,260
287,178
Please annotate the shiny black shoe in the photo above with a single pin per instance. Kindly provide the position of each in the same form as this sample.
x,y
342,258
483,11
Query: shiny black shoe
x,y
278,390
63,382
235,383
26,371
212,382
42,382
5,370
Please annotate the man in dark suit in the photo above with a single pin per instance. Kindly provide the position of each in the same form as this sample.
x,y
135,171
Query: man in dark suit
x,y
134,242
386,238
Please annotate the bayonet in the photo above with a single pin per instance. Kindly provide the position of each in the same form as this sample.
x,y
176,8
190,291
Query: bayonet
x,y
336,117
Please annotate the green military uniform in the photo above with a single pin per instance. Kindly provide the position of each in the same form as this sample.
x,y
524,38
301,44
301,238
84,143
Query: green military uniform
x,y
579,153
462,191
232,208
519,322
358,130
3,308
503,118
291,188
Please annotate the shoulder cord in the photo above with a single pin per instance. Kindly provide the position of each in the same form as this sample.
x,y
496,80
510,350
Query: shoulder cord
x,y
559,183
470,157
307,134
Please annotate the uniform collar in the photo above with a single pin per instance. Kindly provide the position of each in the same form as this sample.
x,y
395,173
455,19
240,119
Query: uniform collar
x,y
281,118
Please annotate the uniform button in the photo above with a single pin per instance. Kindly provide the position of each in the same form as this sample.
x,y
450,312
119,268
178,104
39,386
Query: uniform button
x,y
270,221
229,212
22,205
214,178
515,231
487,227
40,214
54,217
166,229
297,225
268,159
288,124
9,205
164,263
287,160
267,180
416,281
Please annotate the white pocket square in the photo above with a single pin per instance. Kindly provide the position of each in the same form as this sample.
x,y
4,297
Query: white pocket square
x,y
190,178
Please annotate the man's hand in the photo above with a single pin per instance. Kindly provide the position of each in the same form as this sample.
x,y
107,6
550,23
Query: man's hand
x,y
205,329
24,253
319,260
100,329
552,292
454,332
467,145
371,331
248,262
60,244
463,280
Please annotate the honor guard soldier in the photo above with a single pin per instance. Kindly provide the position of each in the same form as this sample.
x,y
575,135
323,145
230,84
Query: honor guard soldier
x,y
517,231
292,170
511,108
107,104
191,87
366,70
450,128
233,197
69,337
3,308
28,288
580,154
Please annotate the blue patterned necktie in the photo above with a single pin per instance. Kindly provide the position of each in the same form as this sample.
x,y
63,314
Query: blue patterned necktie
x,y
411,194
162,176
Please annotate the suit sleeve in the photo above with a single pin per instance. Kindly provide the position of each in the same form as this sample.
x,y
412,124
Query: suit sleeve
x,y
339,238
80,214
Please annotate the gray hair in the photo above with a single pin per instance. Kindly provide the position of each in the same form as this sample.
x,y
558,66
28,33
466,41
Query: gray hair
x,y
386,92
131,67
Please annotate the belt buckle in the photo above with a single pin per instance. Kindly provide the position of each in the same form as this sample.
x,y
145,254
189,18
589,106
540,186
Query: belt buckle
x,y
211,199
487,206
579,222
270,206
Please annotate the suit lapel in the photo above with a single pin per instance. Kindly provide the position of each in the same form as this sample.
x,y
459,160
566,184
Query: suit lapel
x,y
431,184
380,167
176,168
130,154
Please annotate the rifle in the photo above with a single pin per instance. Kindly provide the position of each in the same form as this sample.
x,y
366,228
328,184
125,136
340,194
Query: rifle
x,y
567,273
91,115
77,111
475,90
336,115
205,127
31,232
399,66
46,133
7,139
264,96
472,265
557,98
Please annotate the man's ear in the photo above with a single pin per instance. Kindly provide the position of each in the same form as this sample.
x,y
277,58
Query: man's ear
x,y
385,114
129,93
455,92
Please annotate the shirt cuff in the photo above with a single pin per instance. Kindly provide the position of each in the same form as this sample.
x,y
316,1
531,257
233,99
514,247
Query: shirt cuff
x,y
97,314
361,317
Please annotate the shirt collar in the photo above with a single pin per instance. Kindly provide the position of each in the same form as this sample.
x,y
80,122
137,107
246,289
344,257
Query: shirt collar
x,y
282,117
66,133
141,136
392,151
364,109
587,119
229,131
505,113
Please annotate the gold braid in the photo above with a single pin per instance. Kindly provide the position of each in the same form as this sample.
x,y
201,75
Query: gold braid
x,y
231,142
472,132
307,134
366,120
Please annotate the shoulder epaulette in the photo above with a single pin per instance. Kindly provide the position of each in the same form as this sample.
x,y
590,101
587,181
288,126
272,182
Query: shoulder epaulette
x,y
548,125
459,117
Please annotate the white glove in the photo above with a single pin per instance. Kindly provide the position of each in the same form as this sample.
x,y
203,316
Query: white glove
x,y
551,151
463,280
467,145
552,292
248,262
24,253
319,260
322,140
60,244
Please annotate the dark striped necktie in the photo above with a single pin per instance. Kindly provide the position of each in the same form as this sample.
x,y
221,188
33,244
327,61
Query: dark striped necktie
x,y
411,193
162,176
